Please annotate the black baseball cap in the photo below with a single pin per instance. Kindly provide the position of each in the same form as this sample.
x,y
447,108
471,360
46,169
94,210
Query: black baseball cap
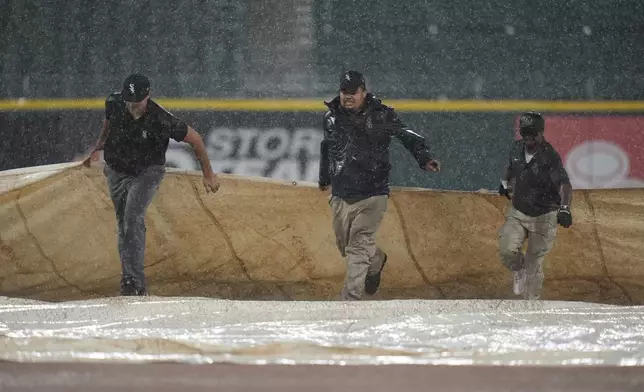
x,y
135,88
351,81
531,124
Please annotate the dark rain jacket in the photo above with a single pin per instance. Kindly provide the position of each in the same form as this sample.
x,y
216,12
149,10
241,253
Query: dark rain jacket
x,y
354,154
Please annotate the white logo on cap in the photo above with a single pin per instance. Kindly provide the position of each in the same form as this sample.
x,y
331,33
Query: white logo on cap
x,y
132,88
347,77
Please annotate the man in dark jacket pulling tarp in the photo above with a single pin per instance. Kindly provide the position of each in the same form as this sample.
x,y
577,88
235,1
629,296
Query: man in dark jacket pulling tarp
x,y
354,161
537,183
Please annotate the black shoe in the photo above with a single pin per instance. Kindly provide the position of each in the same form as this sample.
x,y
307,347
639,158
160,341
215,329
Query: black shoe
x,y
128,288
372,282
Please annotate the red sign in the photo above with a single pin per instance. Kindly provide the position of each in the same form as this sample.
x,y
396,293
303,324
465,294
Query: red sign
x,y
599,151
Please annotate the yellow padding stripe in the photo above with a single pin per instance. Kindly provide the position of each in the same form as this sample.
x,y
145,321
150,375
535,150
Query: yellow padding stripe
x,y
316,105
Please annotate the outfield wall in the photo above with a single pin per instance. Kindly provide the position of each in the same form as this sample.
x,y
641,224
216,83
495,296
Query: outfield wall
x,y
600,141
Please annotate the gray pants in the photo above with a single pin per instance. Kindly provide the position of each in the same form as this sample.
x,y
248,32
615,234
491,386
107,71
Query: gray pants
x,y
355,227
540,232
131,196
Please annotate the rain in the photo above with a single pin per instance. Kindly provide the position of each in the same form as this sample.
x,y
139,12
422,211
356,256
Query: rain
x,y
244,214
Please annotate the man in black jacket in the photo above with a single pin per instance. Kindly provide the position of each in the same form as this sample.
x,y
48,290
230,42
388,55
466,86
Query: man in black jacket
x,y
538,185
354,161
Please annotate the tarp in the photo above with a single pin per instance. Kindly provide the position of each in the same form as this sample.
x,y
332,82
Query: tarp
x,y
205,330
269,240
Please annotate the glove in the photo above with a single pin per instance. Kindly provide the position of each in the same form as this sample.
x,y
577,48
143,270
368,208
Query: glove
x,y
503,189
564,217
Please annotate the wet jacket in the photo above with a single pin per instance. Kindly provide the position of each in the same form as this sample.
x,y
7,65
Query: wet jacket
x,y
537,183
354,153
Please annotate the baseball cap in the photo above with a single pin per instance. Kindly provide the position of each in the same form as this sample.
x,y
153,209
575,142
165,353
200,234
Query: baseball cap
x,y
531,123
351,80
135,88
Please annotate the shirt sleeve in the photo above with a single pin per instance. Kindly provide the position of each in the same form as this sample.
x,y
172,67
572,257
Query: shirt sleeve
x,y
558,173
110,107
413,142
324,175
510,166
177,129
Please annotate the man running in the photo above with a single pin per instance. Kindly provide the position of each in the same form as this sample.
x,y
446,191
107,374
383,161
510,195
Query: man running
x,y
354,161
541,197
135,136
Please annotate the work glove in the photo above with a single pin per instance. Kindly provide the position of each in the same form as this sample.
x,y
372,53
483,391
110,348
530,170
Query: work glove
x,y
564,217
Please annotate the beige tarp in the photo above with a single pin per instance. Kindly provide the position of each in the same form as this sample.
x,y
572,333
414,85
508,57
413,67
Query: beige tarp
x,y
262,239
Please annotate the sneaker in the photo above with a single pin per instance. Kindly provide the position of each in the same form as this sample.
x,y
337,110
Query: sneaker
x,y
519,281
372,282
129,288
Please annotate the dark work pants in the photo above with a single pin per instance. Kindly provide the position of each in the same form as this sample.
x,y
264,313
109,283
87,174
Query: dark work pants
x,y
131,196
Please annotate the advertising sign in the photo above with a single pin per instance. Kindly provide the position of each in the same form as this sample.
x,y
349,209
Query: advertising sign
x,y
274,152
599,151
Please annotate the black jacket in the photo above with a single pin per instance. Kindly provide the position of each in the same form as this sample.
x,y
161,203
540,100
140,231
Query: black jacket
x,y
537,183
354,154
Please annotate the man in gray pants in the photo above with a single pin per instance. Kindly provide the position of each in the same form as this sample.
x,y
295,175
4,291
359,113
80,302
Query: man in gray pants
x,y
354,161
135,137
541,197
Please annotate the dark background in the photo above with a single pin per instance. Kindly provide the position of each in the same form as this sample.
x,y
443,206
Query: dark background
x,y
461,49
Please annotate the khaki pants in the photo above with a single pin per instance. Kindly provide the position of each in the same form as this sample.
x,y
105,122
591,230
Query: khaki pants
x,y
355,227
540,232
